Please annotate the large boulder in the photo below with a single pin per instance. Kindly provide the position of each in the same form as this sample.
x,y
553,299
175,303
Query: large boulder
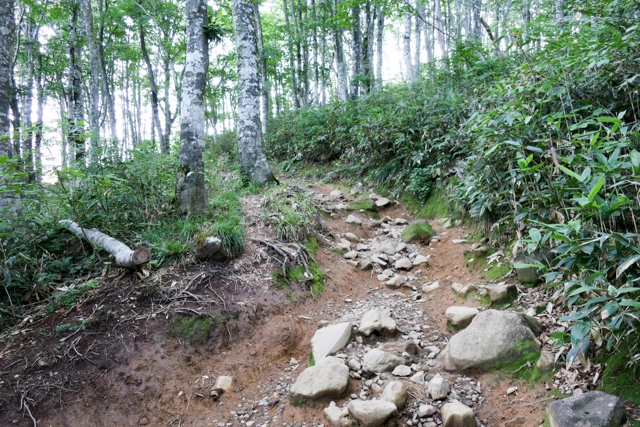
x,y
371,413
328,379
494,338
376,320
419,230
329,340
377,360
593,409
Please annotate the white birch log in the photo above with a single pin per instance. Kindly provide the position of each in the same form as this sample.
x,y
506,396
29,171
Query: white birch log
x,y
124,256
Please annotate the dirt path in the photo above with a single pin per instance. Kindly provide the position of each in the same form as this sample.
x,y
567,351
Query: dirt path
x,y
128,369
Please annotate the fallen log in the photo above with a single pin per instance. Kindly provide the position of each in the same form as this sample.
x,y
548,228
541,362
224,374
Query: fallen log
x,y
124,256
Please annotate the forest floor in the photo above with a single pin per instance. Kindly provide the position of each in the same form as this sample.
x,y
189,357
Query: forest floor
x,y
120,356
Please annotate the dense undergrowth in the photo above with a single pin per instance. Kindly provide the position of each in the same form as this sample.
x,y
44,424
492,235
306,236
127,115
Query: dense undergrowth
x,y
541,144
131,201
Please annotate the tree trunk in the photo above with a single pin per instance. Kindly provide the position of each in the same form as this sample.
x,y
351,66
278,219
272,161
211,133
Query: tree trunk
x,y
9,202
76,107
408,65
356,52
314,62
31,35
367,47
379,44
437,16
292,64
155,115
253,161
94,81
39,119
123,255
190,187
341,70
476,6
559,10
264,83
106,88
420,9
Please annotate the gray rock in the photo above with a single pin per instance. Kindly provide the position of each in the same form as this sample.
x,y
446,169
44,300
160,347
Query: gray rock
x,y
420,260
431,287
546,362
492,337
357,189
387,248
426,410
354,365
376,258
396,281
396,393
438,387
361,247
365,265
401,247
401,371
224,384
352,219
336,416
327,379
210,247
418,378
335,194
329,340
351,237
502,294
404,264
382,202
457,287
467,289
456,414
460,317
351,255
593,409
530,276
377,320
371,413
400,221
344,245
374,196
377,360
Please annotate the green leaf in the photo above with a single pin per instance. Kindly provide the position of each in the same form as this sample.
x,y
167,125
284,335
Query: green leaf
x,y
569,172
535,234
626,264
596,188
3,159
629,303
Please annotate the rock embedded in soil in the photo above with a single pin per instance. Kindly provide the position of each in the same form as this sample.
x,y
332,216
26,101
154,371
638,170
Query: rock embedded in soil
x,y
352,219
382,202
396,281
328,379
224,384
593,409
330,340
438,387
546,362
460,317
467,289
419,230
428,288
402,371
426,410
336,416
502,294
365,265
377,320
457,414
351,237
377,360
371,413
420,260
403,264
351,255
396,393
493,338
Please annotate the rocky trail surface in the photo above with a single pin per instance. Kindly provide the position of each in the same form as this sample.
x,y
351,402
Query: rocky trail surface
x,y
380,347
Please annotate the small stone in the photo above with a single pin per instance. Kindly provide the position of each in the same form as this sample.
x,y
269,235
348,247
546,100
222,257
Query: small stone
x,y
459,241
378,260
354,365
351,237
396,393
396,281
365,265
377,360
387,248
351,255
404,264
336,416
224,383
143,421
546,362
425,411
418,377
327,379
456,414
335,194
361,247
402,371
374,196
352,219
512,390
438,387
382,202
371,413
401,247
502,294
460,317
467,289
457,287
420,260
410,347
430,287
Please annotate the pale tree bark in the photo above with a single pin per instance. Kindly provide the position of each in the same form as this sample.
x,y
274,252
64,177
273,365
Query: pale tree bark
x,y
439,27
341,70
9,202
429,41
315,95
39,119
379,43
417,46
124,256
190,187
106,87
76,107
31,36
94,81
356,51
476,8
253,161
559,10
367,48
406,51
264,83
295,99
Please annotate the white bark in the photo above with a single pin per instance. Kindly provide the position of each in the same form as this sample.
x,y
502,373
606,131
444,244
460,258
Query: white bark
x,y
408,64
94,84
341,70
124,256
437,17
253,161
417,51
190,187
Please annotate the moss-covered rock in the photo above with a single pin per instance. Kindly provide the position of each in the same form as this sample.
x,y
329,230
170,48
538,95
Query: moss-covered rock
x,y
363,204
419,230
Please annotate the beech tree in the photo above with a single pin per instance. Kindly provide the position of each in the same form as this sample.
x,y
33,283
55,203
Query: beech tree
x,y
253,161
190,189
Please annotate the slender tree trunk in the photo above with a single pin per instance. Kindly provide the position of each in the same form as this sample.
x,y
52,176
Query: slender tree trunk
x,y
379,43
94,81
356,52
292,64
64,129
341,70
437,16
314,61
253,161
367,47
559,5
76,107
167,66
190,188
31,35
417,46
429,38
9,202
155,115
476,6
323,53
106,87
39,119
264,83
408,65
304,45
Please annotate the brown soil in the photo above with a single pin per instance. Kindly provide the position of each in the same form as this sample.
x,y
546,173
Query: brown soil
x,y
126,367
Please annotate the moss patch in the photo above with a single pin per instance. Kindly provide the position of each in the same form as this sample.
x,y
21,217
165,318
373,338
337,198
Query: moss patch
x,y
312,246
363,204
480,265
437,205
416,231
192,329
529,355
618,379
296,275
